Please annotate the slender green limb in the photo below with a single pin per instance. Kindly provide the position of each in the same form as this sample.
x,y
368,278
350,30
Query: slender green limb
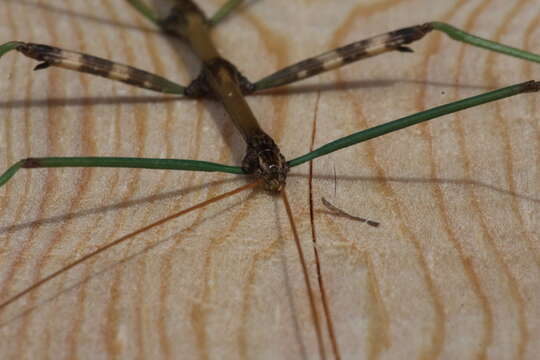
x,y
118,162
224,11
145,10
148,13
361,136
8,174
7,47
465,37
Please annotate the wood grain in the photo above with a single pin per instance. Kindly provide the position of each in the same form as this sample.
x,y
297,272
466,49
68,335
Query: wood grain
x,y
453,271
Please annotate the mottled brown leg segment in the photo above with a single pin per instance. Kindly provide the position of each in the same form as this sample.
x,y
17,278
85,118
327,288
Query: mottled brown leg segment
x,y
391,41
53,56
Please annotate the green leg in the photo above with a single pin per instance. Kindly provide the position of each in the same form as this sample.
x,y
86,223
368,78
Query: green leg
x,y
376,131
224,11
146,11
462,36
344,142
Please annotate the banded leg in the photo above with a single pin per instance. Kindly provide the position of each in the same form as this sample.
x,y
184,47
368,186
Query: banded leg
x,y
394,40
53,56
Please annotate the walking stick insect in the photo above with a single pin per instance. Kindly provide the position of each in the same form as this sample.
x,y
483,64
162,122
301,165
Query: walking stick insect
x,y
195,312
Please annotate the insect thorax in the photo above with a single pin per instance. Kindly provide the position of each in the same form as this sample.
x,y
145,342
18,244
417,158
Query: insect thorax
x,y
264,159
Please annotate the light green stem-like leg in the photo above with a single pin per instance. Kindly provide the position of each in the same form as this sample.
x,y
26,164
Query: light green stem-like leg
x,y
148,13
145,10
224,11
361,136
7,47
460,35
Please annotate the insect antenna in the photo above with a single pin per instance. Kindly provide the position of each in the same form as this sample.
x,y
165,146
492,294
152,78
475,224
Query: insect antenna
x,y
313,308
122,239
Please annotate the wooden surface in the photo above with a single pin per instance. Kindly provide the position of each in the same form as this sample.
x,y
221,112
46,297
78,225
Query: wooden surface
x,y
452,273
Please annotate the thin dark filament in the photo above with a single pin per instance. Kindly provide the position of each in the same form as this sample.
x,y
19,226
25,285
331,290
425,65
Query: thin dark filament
x,y
335,180
314,314
124,238
340,212
324,297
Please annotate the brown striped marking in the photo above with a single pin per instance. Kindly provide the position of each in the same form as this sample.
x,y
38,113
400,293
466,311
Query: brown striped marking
x,y
53,56
394,40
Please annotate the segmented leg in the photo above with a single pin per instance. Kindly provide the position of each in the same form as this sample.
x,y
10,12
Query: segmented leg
x,y
224,11
144,10
148,13
394,40
53,56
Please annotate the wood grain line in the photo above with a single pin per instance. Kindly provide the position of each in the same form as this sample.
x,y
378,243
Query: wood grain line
x,y
437,338
470,273
475,201
449,273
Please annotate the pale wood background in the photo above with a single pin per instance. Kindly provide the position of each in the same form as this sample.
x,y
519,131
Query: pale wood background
x,y
453,272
